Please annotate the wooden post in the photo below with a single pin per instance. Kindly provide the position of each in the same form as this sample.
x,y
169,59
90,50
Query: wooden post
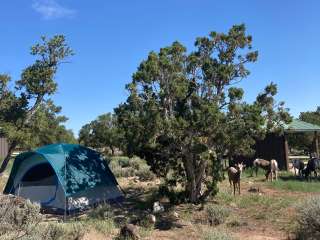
x,y
286,152
316,143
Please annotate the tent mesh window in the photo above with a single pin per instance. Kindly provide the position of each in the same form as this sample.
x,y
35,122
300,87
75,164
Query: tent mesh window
x,y
42,174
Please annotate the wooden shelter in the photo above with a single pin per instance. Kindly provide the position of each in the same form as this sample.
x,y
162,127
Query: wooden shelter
x,y
3,147
276,147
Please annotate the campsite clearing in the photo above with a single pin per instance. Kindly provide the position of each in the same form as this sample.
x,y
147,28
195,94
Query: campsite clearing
x,y
268,213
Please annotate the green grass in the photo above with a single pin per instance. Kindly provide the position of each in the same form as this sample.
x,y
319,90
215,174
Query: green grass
x,y
296,185
288,182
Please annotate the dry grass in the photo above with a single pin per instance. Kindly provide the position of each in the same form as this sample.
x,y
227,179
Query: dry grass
x,y
267,214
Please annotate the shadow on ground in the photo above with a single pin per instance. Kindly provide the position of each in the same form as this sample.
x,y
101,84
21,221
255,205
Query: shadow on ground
x,y
138,204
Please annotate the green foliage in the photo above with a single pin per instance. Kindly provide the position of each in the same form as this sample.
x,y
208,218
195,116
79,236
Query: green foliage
x,y
25,108
124,162
308,219
101,133
304,141
144,173
216,214
183,113
311,117
129,167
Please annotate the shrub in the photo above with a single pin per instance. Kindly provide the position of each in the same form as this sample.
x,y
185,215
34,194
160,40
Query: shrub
x,y
103,226
308,219
115,168
145,174
216,214
75,231
19,217
62,231
137,162
103,211
123,162
52,231
217,235
127,172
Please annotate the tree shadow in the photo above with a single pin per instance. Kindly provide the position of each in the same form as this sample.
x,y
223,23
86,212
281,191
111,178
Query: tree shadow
x,y
138,205
84,169
291,178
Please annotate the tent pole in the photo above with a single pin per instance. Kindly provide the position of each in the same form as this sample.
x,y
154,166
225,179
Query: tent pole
x,y
316,143
65,180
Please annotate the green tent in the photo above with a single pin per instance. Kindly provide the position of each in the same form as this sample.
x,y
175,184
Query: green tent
x,y
63,177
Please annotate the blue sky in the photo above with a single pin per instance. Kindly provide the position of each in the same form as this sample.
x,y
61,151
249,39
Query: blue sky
x,y
110,39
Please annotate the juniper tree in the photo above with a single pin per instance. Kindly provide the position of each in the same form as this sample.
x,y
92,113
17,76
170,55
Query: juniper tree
x,y
101,133
18,105
184,113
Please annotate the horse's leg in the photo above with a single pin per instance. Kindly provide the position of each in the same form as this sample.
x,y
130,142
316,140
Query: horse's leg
x,y
239,187
256,168
234,189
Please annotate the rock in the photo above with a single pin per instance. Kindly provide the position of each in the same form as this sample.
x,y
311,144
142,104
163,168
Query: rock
x,y
175,214
254,189
129,231
151,218
157,207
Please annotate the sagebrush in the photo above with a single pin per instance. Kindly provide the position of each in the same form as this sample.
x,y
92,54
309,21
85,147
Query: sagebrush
x,y
308,219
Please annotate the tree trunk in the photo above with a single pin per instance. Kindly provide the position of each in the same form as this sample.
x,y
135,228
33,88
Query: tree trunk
x,y
112,150
195,174
6,160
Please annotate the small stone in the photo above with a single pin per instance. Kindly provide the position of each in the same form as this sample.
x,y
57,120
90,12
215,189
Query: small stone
x,y
254,189
157,207
151,218
175,214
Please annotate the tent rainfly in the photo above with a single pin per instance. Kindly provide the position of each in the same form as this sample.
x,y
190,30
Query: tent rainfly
x,y
63,177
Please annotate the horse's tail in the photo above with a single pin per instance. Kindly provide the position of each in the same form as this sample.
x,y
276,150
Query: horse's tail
x,y
274,163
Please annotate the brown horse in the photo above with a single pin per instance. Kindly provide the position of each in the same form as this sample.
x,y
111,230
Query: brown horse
x,y
261,163
271,168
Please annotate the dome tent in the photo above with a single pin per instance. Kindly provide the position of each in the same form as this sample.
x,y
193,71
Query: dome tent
x,y
63,177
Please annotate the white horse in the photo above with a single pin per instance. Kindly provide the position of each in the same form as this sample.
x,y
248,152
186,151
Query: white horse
x,y
273,170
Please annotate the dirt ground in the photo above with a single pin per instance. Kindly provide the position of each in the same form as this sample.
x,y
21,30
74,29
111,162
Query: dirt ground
x,y
261,212
260,222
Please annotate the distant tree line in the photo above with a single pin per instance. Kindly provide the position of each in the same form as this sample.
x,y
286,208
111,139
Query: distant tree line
x,y
304,142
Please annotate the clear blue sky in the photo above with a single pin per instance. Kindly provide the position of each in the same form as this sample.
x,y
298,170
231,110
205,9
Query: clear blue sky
x,y
110,39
